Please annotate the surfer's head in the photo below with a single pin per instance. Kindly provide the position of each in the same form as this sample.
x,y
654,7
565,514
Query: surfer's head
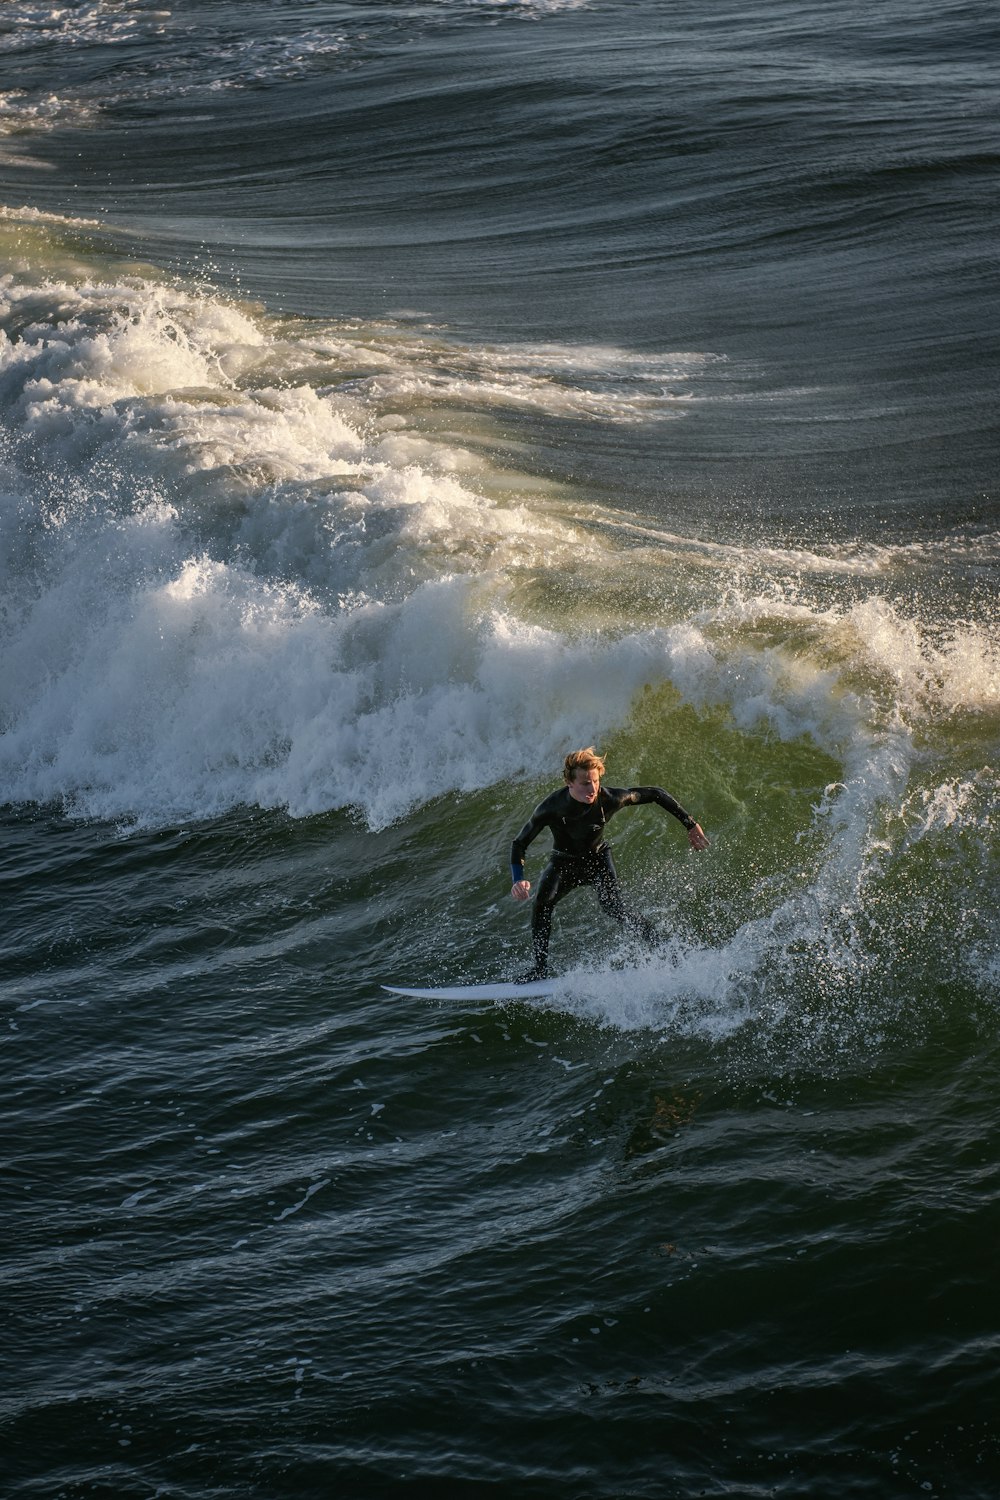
x,y
582,760
582,772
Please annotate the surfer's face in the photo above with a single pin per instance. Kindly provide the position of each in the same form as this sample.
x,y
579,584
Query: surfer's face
x,y
585,786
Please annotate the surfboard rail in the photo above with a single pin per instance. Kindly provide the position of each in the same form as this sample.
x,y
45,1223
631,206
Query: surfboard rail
x,y
535,989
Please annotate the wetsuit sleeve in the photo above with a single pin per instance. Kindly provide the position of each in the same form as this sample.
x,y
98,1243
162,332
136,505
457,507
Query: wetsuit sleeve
x,y
639,794
518,848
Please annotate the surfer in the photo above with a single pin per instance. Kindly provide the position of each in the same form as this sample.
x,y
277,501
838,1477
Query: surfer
x,y
577,814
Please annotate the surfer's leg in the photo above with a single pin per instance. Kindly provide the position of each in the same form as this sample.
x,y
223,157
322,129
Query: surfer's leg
x,y
612,902
556,882
541,932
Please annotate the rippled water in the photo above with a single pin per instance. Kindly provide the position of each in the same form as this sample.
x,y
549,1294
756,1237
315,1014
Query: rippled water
x,y
394,397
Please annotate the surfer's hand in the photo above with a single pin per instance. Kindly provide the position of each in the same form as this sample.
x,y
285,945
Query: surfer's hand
x,y
521,891
696,837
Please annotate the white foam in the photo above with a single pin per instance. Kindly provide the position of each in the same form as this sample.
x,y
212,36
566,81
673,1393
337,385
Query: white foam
x,y
233,575
27,214
29,22
145,681
958,804
22,113
532,9
567,381
864,559
164,55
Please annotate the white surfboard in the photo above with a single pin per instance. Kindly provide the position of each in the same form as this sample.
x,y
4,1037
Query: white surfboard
x,y
534,990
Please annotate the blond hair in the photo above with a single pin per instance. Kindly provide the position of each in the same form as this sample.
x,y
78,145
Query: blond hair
x,y
582,760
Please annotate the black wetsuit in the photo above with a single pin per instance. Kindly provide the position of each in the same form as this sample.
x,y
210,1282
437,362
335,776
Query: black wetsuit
x,y
580,855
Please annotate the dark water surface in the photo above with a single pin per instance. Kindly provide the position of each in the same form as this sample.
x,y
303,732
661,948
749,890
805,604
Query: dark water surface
x,y
392,398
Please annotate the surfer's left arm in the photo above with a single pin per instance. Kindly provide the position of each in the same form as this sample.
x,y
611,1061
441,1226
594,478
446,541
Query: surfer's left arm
x,y
640,794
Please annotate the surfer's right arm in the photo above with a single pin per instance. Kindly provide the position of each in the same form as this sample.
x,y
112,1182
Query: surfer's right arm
x,y
521,888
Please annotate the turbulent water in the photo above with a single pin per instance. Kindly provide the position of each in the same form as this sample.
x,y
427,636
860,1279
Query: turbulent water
x,y
394,397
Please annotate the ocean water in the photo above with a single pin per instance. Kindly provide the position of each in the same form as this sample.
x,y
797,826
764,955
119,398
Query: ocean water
x,y
393,397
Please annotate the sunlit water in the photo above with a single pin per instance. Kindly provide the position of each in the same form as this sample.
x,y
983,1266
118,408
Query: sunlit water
x,y
395,397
